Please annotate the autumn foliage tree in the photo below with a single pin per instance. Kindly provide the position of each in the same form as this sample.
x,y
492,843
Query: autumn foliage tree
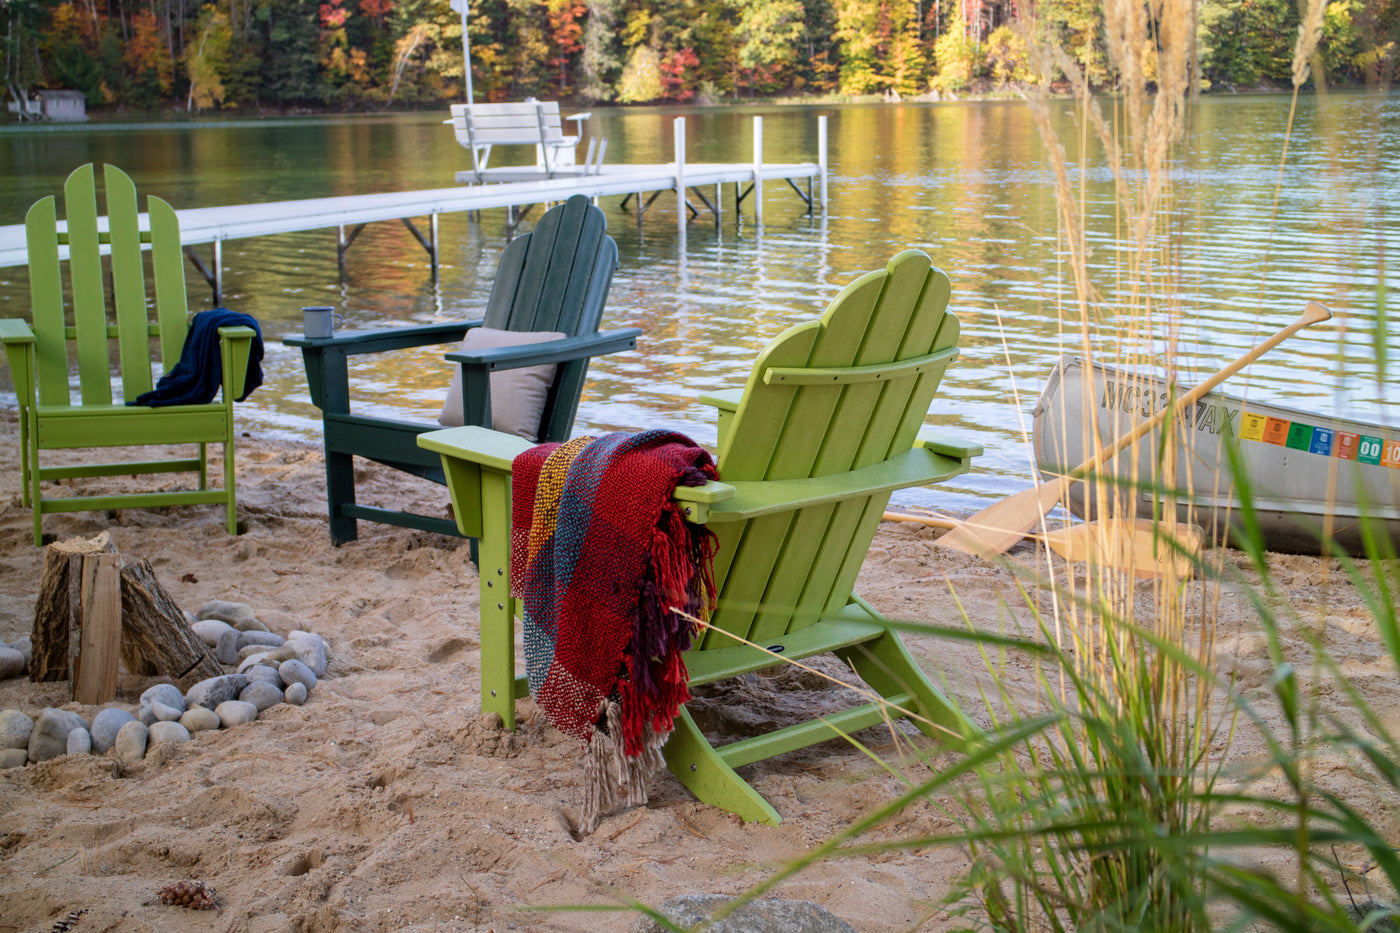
x,y
349,54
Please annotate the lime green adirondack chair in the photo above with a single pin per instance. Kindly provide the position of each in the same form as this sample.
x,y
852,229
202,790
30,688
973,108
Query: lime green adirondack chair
x,y
830,422
39,357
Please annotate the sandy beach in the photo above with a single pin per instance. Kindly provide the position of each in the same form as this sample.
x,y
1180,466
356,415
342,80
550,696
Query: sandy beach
x,y
387,803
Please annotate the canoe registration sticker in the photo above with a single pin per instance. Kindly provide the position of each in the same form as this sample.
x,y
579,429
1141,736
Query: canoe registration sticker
x,y
1344,445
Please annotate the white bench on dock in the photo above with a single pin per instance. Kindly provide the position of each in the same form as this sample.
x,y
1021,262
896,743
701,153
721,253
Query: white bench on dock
x,y
532,122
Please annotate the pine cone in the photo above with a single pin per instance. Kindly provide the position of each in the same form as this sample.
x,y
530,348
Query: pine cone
x,y
196,895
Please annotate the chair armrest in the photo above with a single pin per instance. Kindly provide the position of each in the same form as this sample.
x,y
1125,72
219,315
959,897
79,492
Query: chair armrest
x,y
932,439
550,351
18,340
381,341
916,467
494,450
696,501
235,346
726,400
15,330
477,463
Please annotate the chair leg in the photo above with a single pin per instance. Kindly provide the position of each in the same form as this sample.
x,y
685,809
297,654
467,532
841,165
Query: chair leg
x,y
37,503
886,665
696,764
497,629
230,485
340,491
25,458
204,464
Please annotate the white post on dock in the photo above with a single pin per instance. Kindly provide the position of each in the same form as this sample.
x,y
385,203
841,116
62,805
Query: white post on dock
x,y
758,169
821,153
679,132
218,272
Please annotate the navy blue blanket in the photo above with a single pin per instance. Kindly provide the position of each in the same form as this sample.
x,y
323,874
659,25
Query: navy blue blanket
x,y
196,379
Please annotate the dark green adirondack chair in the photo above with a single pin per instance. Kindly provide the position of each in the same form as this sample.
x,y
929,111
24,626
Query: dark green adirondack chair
x,y
39,357
828,425
555,278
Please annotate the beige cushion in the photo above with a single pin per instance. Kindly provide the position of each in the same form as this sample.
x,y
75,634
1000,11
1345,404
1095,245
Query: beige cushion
x,y
517,395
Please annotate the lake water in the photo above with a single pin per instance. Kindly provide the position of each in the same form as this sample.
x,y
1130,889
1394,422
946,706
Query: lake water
x,y
1253,236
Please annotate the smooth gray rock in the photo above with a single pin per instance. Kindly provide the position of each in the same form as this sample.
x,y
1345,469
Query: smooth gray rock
x,y
235,713
130,745
215,690
164,733
106,725
13,758
250,625
164,694
25,647
211,630
253,651
263,673
50,736
310,649
226,651
15,727
295,694
11,663
200,719
768,915
295,672
261,694
79,742
267,639
226,611
165,713
261,654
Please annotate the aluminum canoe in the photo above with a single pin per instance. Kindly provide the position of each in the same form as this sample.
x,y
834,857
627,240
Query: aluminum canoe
x,y
1310,477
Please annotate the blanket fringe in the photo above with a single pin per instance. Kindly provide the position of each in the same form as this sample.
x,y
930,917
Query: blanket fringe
x,y
610,774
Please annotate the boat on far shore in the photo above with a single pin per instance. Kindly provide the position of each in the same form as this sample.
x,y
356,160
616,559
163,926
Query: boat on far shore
x,y
1311,477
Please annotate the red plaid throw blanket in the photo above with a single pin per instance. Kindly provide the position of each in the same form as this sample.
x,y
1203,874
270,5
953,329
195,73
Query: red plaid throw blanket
x,y
606,565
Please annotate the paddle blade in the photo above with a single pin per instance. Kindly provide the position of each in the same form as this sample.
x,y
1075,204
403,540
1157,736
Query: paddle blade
x,y
1127,543
996,528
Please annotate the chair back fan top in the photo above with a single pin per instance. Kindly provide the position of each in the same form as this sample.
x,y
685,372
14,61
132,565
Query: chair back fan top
x,y
104,310
556,277
846,391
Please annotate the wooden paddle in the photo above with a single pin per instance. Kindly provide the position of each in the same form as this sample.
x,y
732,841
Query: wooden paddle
x,y
1122,543
994,529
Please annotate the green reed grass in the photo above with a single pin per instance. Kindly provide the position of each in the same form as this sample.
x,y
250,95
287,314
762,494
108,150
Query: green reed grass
x,y
1104,798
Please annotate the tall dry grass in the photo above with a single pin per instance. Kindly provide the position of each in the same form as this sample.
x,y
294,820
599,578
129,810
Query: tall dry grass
x,y
1099,802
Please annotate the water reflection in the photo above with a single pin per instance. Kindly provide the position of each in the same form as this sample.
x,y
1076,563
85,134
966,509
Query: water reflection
x,y
1251,236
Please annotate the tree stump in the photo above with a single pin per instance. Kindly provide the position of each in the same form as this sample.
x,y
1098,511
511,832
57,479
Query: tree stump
x,y
85,589
54,610
156,638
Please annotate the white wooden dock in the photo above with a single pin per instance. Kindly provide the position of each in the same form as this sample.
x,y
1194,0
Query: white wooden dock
x,y
213,225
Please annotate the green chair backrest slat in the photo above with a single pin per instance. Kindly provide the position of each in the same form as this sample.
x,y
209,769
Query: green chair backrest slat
x,y
89,327
168,269
85,273
128,284
776,573
46,300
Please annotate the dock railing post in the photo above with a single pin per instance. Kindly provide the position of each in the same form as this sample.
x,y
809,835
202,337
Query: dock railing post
x,y
218,273
678,129
821,154
758,169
